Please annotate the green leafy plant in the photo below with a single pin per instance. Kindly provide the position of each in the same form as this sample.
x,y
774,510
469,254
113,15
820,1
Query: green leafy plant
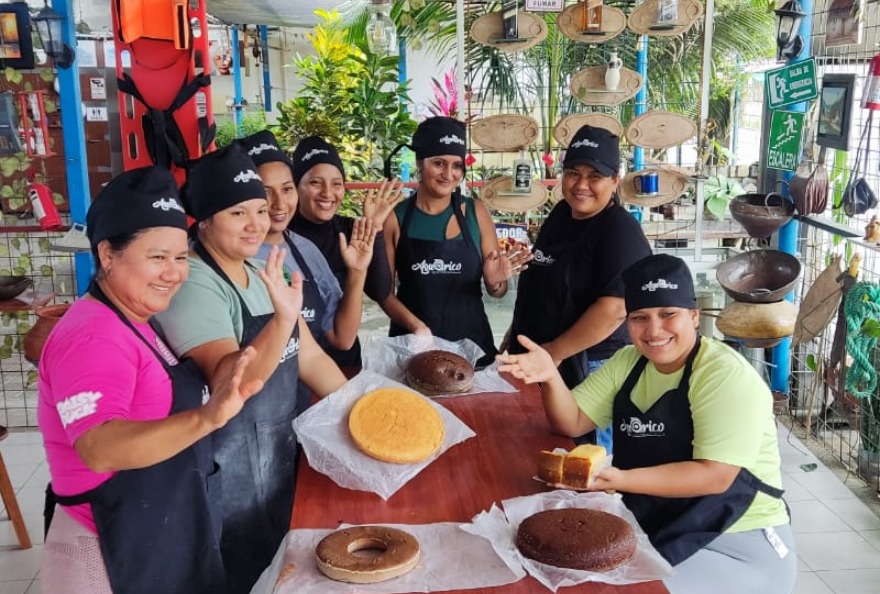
x,y
718,192
250,124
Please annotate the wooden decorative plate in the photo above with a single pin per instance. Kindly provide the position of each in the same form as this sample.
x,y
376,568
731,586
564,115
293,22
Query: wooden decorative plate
x,y
508,132
556,193
569,23
497,195
568,126
671,183
489,30
588,86
660,129
643,20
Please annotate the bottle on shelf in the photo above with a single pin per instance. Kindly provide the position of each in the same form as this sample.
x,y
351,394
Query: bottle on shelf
x,y
591,21
522,174
612,72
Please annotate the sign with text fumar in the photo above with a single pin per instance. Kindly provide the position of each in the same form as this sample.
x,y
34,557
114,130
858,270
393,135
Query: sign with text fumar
x,y
784,146
792,83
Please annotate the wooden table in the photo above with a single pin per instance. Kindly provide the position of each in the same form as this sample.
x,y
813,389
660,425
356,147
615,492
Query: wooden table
x,y
495,465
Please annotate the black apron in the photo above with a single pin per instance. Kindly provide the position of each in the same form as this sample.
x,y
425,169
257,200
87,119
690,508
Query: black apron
x,y
256,451
678,527
159,527
542,317
312,312
441,283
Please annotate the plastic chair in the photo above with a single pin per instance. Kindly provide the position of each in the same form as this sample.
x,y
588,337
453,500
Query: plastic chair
x,y
10,502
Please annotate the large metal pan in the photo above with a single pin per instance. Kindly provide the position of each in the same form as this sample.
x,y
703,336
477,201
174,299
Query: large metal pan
x,y
758,276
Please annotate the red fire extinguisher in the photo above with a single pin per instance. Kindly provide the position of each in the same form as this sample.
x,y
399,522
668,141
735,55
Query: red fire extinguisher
x,y
44,207
871,98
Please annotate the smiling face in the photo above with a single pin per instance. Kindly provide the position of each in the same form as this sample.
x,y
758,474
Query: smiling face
x,y
281,194
440,175
142,277
237,232
664,335
321,191
587,191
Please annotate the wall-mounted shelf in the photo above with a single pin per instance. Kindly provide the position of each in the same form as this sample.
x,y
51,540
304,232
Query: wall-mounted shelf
x,y
588,86
643,20
489,30
570,23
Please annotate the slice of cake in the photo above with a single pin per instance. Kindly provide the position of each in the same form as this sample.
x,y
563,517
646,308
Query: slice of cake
x,y
573,469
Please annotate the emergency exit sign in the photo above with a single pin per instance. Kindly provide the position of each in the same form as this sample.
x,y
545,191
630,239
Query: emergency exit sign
x,y
792,84
784,146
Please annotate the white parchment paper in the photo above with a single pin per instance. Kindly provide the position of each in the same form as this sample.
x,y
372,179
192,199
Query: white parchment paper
x,y
323,432
388,356
500,528
451,559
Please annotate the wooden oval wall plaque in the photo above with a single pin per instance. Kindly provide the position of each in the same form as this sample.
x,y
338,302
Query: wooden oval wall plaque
x,y
660,129
588,86
508,132
497,195
556,193
489,30
643,20
567,127
570,24
672,184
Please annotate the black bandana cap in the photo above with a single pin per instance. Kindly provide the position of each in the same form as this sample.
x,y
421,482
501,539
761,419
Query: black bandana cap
x,y
135,200
220,180
659,280
440,136
311,151
263,148
596,147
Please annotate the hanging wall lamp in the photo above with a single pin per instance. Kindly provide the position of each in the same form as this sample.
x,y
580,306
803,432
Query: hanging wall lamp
x,y
788,39
49,24
381,30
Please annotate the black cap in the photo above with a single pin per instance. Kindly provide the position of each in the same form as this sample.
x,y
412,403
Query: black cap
x,y
440,136
135,200
311,151
222,179
596,147
262,148
659,280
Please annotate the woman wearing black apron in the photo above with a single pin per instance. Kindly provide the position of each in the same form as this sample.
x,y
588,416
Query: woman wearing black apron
x,y
442,247
320,182
570,300
695,444
125,424
228,304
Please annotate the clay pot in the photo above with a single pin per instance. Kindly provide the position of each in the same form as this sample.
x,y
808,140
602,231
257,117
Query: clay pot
x,y
35,338
758,325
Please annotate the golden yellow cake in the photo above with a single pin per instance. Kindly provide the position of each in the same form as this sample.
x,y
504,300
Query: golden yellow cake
x,y
573,469
396,425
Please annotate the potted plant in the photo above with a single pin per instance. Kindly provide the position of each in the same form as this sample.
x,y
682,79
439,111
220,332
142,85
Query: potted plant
x,y
718,191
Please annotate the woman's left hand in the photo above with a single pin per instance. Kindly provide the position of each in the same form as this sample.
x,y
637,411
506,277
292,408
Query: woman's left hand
x,y
357,253
379,203
608,479
499,266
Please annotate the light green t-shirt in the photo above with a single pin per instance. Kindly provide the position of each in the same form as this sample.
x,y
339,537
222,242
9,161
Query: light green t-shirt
x,y
732,411
207,308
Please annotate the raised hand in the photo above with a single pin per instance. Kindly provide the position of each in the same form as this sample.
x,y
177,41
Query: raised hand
x,y
357,253
535,365
499,266
378,204
229,395
287,299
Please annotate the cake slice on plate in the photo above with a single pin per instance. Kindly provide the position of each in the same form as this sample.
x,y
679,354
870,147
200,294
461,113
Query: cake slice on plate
x,y
574,469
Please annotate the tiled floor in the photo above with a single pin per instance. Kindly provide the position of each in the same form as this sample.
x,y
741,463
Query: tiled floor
x,y
838,536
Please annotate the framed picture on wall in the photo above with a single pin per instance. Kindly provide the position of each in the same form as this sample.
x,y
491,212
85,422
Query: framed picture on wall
x,y
835,110
16,49
844,23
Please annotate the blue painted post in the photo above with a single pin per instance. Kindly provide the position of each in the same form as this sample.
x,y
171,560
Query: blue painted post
x,y
640,107
401,59
73,133
267,79
780,373
236,81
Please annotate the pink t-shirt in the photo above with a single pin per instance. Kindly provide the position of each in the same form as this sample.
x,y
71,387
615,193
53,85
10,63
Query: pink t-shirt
x,y
94,369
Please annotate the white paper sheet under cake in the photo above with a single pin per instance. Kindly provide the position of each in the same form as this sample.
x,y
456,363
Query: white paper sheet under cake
x,y
499,528
322,430
451,559
388,356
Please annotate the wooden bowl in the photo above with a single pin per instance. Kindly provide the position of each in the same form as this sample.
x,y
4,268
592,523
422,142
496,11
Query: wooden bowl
x,y
759,276
13,286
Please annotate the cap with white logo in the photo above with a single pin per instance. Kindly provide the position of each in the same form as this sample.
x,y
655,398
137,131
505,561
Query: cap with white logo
x,y
659,280
596,147
221,180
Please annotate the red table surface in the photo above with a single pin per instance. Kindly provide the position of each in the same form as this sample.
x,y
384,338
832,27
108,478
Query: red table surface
x,y
497,464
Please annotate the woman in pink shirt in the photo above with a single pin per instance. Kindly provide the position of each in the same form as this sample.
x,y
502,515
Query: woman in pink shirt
x,y
124,423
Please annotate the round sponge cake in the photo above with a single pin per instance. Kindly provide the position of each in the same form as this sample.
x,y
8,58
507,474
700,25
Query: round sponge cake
x,y
396,425
583,539
439,372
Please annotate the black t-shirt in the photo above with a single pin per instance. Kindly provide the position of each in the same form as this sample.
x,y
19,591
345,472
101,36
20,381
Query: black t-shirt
x,y
577,262
326,237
